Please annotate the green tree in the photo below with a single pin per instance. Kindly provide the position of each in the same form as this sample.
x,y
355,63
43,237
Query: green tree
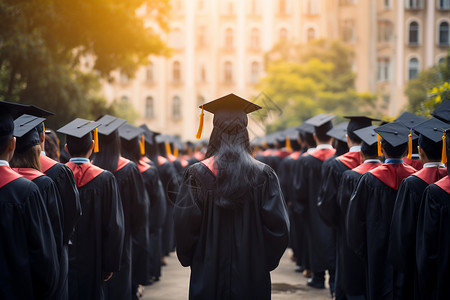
x,y
304,80
43,43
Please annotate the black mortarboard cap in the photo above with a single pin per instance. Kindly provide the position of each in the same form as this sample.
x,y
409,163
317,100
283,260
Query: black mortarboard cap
x,y
431,129
367,135
410,120
149,134
358,122
78,128
320,120
442,112
393,133
109,124
18,109
230,102
129,132
26,133
339,132
306,128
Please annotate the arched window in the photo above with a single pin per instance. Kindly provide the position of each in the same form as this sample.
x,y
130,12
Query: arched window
x,y
176,72
282,6
444,4
254,38
444,33
413,68
176,107
149,70
203,74
413,33
124,99
201,37
311,34
311,7
283,34
228,72
149,109
254,72
441,60
229,38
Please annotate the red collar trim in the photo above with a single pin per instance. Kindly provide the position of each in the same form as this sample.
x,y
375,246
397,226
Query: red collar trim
x,y
282,154
295,155
84,173
268,152
431,175
171,157
444,184
143,166
122,163
415,163
184,163
350,159
323,154
161,160
366,167
393,174
210,163
29,173
46,163
7,175
146,159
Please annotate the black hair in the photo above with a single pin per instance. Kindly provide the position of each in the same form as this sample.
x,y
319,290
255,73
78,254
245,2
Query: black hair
x,y
308,138
130,150
108,156
341,147
236,167
51,144
432,149
79,146
4,142
152,151
321,132
353,137
369,151
30,158
295,145
394,152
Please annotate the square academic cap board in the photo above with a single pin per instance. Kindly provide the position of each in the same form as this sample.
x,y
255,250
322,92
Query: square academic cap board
x,y
230,102
410,120
367,135
320,119
442,112
432,129
109,124
18,109
129,132
339,132
26,123
78,128
394,133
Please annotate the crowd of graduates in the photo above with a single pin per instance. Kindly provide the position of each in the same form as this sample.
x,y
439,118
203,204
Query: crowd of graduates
x,y
92,218
368,203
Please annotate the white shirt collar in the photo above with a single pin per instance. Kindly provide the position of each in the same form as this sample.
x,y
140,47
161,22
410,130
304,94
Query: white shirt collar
x,y
4,163
415,156
355,149
324,146
434,164
43,153
310,150
372,161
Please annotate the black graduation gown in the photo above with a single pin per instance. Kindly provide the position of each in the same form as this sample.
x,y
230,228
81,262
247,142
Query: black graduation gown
x,y
230,251
402,239
97,242
132,195
29,266
368,223
433,242
350,271
319,236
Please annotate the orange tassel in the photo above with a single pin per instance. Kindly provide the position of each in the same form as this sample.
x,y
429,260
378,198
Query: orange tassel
x,y
168,151
380,153
43,127
200,126
96,140
410,144
175,152
288,144
142,145
444,148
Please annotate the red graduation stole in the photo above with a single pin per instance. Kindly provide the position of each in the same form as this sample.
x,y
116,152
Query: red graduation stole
x,y
210,163
366,167
184,163
46,163
29,173
171,157
268,152
444,184
161,160
146,159
122,162
415,163
199,156
350,159
431,175
84,173
7,175
323,154
143,166
393,174
295,155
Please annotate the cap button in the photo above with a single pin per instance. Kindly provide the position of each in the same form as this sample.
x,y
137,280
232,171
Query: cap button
x,y
435,129
395,132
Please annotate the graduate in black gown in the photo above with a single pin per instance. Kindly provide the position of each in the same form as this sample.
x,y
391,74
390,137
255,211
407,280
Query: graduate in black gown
x,y
411,120
231,222
96,245
370,213
350,269
402,239
29,265
26,162
320,238
132,195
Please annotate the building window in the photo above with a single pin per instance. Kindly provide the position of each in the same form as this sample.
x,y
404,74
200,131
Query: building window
x,y
386,101
413,68
444,33
228,72
348,31
254,39
203,74
149,73
176,108
149,109
413,4
387,4
311,34
385,30
282,7
441,60
383,69
229,38
254,7
347,2
443,4
254,72
124,99
229,7
201,5
201,37
413,33
176,72
311,7
283,35
123,78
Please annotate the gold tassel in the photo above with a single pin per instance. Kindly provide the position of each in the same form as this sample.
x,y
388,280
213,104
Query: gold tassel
x,y
288,144
96,140
142,145
200,126
43,127
444,148
175,152
410,144
380,153
168,151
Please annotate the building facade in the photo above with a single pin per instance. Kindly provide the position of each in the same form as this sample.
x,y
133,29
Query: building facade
x,y
219,46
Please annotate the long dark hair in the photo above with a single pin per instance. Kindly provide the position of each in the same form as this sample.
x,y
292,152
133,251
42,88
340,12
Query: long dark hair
x,y
236,167
27,159
130,150
108,156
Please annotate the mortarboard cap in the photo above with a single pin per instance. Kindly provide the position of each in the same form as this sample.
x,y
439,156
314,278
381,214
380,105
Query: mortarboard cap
x,y
306,128
129,132
431,129
393,133
26,133
150,136
358,122
339,132
230,102
442,112
367,135
320,120
410,120
78,128
109,124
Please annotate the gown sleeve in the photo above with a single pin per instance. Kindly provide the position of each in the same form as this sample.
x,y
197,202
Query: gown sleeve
x,y
299,187
327,201
137,201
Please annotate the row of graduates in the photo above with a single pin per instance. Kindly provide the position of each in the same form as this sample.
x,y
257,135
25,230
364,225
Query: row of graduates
x,y
373,210
93,228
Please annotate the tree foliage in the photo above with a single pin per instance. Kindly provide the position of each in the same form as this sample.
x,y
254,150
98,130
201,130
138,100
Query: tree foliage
x,y
307,79
43,43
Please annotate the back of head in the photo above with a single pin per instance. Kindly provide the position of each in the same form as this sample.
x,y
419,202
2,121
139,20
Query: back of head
x,y
432,149
79,147
394,152
109,154
130,149
52,145
369,150
6,129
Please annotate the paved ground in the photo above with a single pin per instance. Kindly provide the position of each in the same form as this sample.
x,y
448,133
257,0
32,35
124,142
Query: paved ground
x,y
286,284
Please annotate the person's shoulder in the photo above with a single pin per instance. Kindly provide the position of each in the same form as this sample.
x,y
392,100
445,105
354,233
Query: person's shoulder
x,y
19,191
